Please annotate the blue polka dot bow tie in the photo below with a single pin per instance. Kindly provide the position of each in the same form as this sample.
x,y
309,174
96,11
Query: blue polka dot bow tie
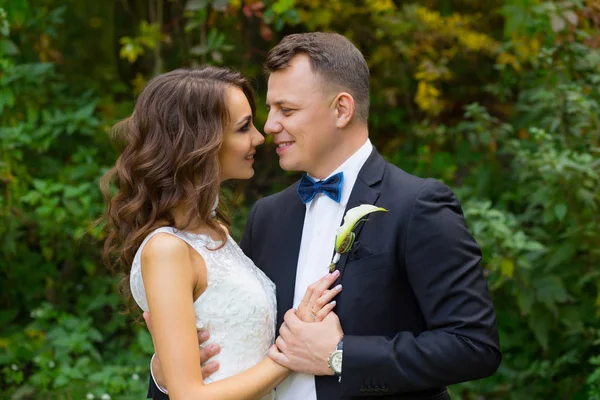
x,y
331,187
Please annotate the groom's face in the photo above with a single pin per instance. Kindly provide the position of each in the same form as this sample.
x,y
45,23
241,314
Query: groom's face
x,y
301,118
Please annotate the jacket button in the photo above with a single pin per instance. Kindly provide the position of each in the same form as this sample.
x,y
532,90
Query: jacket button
x,y
385,389
370,389
377,389
363,389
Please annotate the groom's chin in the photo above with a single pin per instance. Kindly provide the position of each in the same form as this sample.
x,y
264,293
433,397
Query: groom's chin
x,y
287,165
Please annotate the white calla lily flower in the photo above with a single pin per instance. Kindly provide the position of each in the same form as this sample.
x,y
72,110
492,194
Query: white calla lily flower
x,y
345,235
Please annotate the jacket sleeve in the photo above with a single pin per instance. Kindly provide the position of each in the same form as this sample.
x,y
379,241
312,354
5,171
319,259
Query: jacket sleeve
x,y
461,341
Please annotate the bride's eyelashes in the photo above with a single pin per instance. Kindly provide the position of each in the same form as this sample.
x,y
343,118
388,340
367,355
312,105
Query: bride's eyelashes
x,y
246,127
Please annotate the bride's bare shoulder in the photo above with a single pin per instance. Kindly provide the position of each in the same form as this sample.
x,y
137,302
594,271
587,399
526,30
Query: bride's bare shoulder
x,y
165,247
164,242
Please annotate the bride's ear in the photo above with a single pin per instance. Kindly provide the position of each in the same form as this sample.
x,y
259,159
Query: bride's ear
x,y
344,109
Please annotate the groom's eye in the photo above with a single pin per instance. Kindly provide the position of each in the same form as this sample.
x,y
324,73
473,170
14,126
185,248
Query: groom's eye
x,y
285,111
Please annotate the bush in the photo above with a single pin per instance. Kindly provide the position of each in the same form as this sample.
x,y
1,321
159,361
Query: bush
x,y
499,100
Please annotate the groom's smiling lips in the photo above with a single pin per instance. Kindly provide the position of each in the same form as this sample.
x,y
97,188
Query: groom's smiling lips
x,y
283,146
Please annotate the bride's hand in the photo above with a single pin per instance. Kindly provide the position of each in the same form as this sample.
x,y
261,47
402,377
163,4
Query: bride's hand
x,y
318,299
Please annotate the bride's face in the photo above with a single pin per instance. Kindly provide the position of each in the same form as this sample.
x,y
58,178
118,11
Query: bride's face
x,y
240,139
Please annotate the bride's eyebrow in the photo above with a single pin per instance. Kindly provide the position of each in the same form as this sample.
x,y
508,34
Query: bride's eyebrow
x,y
244,120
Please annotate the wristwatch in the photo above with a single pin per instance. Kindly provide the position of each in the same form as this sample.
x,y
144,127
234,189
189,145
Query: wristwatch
x,y
335,359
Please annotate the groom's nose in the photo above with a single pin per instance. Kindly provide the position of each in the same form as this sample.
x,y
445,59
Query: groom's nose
x,y
272,125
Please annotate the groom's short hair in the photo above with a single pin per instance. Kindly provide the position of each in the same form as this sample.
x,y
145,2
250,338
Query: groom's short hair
x,y
333,57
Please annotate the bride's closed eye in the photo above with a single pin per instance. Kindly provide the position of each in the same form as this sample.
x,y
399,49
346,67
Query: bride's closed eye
x,y
247,124
245,127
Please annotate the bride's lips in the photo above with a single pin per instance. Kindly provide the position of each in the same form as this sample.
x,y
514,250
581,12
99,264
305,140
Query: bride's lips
x,y
283,146
250,158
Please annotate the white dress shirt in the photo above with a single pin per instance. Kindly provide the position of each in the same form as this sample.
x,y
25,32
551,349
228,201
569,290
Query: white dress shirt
x,y
321,221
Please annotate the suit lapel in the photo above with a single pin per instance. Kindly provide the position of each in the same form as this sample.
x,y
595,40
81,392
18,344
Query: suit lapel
x,y
284,273
365,191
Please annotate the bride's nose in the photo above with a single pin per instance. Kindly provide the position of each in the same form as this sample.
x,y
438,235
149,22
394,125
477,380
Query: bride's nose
x,y
257,138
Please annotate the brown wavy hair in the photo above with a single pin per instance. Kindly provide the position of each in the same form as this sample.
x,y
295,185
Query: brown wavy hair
x,y
170,158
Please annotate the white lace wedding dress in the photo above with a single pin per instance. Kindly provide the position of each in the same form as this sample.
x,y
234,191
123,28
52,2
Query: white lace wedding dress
x,y
238,307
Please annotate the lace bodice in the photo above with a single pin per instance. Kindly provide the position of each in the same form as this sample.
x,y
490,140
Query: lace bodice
x,y
238,307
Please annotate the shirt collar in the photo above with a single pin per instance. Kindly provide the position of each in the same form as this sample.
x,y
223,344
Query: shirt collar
x,y
351,167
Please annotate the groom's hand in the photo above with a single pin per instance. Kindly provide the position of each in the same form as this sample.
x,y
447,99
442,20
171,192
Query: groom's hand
x,y
305,347
208,368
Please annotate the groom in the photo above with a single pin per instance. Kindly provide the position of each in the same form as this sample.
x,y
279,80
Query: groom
x,y
415,311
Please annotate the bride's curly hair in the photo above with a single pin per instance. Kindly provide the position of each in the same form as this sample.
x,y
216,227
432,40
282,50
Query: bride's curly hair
x,y
170,158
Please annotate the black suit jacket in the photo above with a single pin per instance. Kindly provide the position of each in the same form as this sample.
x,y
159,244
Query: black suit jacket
x,y
416,312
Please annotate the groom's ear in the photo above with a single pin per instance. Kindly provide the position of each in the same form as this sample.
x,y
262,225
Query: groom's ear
x,y
344,109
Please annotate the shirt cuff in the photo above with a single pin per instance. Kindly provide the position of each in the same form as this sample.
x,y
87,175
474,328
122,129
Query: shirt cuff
x,y
162,389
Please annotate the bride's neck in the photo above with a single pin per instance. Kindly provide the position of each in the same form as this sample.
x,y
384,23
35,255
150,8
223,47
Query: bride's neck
x,y
181,216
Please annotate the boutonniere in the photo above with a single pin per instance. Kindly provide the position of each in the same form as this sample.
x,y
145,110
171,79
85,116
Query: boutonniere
x,y
345,235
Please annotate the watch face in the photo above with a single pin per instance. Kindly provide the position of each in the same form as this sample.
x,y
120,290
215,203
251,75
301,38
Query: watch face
x,y
336,362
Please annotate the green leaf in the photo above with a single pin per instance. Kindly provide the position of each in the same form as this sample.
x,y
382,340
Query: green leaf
x,y
507,267
95,335
540,325
8,47
560,210
192,24
18,11
282,6
268,16
525,300
572,318
550,290
145,341
279,24
47,253
533,246
62,379
561,254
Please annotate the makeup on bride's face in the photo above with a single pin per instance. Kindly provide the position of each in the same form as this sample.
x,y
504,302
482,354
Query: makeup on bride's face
x,y
240,139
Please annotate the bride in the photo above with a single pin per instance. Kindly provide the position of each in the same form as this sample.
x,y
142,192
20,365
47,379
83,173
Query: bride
x,y
192,129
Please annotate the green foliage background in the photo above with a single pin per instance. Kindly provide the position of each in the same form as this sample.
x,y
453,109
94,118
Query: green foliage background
x,y
499,99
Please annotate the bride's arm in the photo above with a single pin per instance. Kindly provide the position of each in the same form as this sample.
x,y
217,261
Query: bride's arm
x,y
169,279
317,298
